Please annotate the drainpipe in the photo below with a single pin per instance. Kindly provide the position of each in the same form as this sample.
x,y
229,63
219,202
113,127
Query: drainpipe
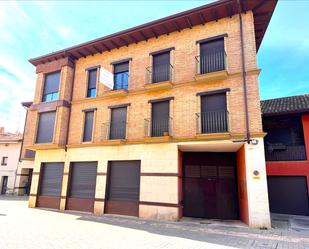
x,y
69,117
244,72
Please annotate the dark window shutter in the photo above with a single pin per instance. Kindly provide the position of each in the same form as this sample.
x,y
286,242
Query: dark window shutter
x,y
51,181
46,125
214,117
92,78
161,67
212,57
121,67
118,123
161,59
215,102
88,126
51,83
160,118
124,180
83,179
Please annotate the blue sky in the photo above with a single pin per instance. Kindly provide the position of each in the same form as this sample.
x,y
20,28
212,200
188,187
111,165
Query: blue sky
x,y
34,28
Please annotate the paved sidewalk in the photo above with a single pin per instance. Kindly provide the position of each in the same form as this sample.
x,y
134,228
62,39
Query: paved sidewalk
x,y
22,227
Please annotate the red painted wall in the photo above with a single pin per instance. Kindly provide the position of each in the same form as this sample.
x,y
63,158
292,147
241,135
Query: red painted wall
x,y
293,168
242,185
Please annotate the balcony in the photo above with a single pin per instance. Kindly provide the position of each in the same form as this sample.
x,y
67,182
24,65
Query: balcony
x,y
158,127
280,152
159,77
114,131
211,67
212,122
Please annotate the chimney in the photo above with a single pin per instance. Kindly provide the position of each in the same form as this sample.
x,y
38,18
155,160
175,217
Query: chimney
x,y
1,130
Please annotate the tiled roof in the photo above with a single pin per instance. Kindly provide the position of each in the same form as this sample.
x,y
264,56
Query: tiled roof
x,y
294,104
10,137
262,12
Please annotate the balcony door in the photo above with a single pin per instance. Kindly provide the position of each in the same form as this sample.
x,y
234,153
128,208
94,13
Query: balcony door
x,y
214,113
118,123
160,118
212,56
161,67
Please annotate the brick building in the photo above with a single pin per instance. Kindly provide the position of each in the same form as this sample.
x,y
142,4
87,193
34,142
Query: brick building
x,y
286,121
177,133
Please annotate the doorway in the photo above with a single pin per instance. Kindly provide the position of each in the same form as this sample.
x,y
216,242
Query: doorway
x,y
4,185
210,185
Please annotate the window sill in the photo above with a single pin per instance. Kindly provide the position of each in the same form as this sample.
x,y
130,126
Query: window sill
x,y
47,146
113,142
213,136
157,139
116,93
159,86
214,76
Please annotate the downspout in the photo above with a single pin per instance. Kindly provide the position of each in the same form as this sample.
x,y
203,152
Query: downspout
x,y
69,117
244,72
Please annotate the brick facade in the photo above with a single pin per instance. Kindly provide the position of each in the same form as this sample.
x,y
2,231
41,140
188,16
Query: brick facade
x,y
186,103
183,108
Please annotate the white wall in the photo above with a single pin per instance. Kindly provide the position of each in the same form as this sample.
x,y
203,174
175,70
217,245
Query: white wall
x,y
259,215
10,150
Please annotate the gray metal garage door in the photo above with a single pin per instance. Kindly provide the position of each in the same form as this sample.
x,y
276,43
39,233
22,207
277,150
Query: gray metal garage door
x,y
123,188
288,195
50,185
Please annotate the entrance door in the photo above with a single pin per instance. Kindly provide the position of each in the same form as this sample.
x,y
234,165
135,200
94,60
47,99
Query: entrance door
x,y
288,195
209,185
82,185
4,184
123,186
50,185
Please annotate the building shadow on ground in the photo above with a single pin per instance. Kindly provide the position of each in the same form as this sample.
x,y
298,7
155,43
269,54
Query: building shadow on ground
x,y
187,230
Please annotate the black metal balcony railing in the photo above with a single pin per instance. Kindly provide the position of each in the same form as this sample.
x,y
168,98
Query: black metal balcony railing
x,y
285,152
158,127
111,131
212,62
159,73
212,122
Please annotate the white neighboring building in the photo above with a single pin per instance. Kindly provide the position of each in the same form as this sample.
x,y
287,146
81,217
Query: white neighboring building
x,y
10,145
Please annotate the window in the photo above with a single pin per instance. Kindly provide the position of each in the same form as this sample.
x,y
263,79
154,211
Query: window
x,y
160,118
214,116
4,161
121,76
88,126
212,56
51,87
118,123
92,83
45,132
161,67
